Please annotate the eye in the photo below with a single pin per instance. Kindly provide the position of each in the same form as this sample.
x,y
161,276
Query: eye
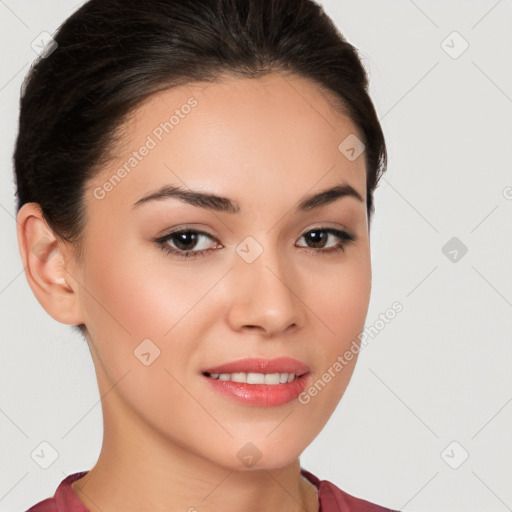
x,y
327,240
181,243
189,243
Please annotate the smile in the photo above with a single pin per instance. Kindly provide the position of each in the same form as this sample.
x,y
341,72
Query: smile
x,y
259,382
255,378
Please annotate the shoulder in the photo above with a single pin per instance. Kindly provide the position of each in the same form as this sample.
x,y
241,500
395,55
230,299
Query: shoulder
x,y
333,499
64,499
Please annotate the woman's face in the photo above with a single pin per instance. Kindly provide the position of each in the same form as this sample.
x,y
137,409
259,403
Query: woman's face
x,y
272,280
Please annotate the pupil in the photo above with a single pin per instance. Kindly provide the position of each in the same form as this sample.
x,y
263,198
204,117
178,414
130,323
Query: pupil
x,y
186,239
318,238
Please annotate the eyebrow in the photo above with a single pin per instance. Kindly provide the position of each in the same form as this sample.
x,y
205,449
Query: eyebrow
x,y
226,205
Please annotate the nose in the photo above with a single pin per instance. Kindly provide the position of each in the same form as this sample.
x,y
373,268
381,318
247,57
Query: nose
x,y
265,296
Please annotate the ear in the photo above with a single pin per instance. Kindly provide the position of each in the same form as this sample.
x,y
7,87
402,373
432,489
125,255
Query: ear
x,y
46,261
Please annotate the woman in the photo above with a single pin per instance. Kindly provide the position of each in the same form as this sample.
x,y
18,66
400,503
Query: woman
x,y
195,188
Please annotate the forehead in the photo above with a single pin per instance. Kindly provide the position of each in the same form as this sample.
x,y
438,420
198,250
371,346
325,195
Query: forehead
x,y
235,135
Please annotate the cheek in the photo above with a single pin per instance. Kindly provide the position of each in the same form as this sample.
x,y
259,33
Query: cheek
x,y
340,295
131,288
340,300
146,319
142,308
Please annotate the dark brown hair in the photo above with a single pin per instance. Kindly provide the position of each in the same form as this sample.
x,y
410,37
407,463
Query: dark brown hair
x,y
113,54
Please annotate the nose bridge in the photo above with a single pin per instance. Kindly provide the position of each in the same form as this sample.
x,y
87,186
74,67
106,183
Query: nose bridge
x,y
264,283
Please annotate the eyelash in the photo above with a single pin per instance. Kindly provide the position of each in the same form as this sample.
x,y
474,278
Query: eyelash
x,y
345,237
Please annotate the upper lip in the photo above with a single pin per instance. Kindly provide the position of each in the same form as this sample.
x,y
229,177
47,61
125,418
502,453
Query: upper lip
x,y
261,365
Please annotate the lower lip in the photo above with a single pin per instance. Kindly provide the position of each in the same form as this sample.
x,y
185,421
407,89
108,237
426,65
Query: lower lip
x,y
260,395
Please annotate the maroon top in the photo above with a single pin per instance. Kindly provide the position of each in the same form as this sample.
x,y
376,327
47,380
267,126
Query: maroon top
x,y
331,498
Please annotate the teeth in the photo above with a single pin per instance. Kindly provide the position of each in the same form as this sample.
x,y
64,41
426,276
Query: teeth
x,y
255,378
238,377
272,378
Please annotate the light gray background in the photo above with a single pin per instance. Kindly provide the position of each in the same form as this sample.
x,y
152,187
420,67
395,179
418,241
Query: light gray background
x,y
439,372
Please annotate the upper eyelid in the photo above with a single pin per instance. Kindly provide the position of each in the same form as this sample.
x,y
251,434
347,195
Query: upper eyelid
x,y
200,231
186,229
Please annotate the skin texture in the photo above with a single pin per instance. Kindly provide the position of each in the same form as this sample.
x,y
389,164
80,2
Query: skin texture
x,y
170,442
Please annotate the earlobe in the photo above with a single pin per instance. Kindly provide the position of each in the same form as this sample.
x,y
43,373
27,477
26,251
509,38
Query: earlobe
x,y
45,266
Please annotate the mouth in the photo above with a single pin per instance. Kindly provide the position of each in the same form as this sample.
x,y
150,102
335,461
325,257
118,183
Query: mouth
x,y
259,382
